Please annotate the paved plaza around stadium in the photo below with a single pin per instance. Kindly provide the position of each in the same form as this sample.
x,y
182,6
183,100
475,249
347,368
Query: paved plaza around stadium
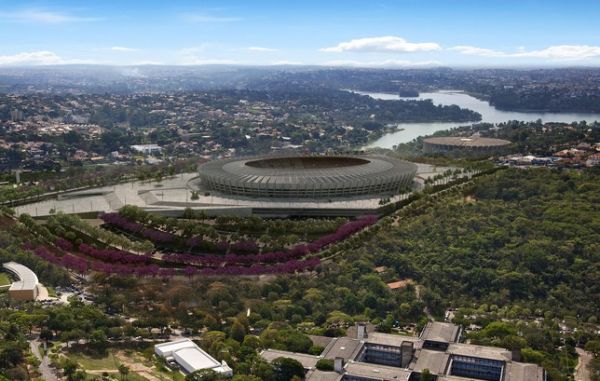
x,y
172,195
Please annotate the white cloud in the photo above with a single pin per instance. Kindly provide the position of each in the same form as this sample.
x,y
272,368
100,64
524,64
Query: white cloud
x,y
383,44
123,49
43,57
43,16
260,49
475,51
210,61
557,52
381,63
562,52
206,18
285,62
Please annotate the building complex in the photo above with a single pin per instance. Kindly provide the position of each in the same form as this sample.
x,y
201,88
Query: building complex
x,y
375,356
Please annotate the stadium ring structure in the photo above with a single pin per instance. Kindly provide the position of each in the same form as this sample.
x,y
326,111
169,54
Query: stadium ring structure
x,y
308,177
473,144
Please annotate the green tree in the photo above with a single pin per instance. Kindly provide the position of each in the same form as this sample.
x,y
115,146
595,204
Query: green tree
x,y
123,371
204,375
237,331
286,369
426,375
70,368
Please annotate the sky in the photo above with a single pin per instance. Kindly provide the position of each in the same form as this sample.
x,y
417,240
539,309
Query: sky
x,y
368,33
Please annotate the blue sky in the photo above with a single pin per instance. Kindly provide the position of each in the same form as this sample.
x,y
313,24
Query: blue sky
x,y
401,33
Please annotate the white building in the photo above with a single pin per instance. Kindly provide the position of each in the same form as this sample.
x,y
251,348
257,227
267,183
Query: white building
x,y
26,288
190,357
146,149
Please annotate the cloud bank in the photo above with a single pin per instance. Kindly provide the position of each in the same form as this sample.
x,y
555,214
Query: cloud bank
x,y
391,44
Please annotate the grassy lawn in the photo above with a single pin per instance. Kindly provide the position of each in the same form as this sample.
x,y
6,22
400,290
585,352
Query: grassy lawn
x,y
95,363
4,279
51,292
130,377
159,371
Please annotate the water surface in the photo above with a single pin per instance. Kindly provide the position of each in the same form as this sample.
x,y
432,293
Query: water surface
x,y
489,114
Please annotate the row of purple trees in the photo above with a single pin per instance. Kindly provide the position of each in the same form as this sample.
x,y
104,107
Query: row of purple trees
x,y
156,236
162,237
211,260
114,256
296,252
69,261
257,269
238,249
82,266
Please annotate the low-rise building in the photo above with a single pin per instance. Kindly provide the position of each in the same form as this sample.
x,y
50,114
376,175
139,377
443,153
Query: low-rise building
x,y
375,356
190,357
27,287
147,149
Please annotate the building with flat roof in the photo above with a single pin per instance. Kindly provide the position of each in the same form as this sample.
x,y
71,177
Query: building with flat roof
x,y
27,287
190,357
376,356
146,149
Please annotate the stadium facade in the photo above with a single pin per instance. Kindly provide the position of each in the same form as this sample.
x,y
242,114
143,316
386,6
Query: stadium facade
x,y
308,177
464,145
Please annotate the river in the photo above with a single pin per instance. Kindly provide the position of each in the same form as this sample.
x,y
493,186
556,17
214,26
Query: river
x,y
489,114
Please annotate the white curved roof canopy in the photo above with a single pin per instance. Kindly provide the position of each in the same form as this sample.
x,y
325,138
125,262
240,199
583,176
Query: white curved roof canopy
x,y
27,278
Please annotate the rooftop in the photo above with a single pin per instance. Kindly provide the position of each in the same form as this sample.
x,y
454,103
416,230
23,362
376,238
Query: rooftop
x,y
437,360
344,347
441,332
480,351
190,356
473,141
27,278
377,372
307,361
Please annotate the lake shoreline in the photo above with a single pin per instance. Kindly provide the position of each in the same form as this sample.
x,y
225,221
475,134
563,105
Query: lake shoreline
x,y
490,114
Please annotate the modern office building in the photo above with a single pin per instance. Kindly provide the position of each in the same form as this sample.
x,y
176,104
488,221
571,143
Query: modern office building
x,y
190,357
385,357
27,285
308,177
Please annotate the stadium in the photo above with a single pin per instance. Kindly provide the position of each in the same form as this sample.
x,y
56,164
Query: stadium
x,y
457,144
308,177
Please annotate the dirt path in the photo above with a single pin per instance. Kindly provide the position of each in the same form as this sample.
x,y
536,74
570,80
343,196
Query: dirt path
x,y
418,292
582,373
137,367
45,370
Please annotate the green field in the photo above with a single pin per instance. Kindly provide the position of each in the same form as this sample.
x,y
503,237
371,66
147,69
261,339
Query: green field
x,y
4,279
95,363
132,376
51,292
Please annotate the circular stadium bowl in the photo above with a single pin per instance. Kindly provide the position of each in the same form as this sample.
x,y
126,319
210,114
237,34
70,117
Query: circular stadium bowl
x,y
474,144
312,177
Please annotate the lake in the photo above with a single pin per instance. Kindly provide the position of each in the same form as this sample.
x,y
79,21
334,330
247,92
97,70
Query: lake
x,y
489,114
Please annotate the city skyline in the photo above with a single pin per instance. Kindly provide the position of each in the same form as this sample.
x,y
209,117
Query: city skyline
x,y
380,34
